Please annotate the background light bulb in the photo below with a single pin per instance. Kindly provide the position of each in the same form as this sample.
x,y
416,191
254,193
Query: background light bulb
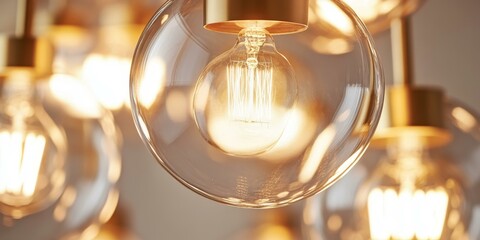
x,y
243,98
411,200
411,193
331,30
32,149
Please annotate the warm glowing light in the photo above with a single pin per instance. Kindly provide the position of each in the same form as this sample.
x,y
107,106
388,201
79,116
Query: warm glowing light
x,y
316,154
407,210
244,98
109,207
250,91
464,119
152,82
407,214
296,136
367,10
237,136
331,13
21,156
323,44
75,95
108,77
277,232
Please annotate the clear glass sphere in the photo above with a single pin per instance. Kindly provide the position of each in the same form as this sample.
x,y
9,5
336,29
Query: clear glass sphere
x,y
332,31
406,193
91,169
264,124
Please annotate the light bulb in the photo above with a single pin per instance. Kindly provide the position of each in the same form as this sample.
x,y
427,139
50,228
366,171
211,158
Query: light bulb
x,y
244,97
32,150
245,126
411,200
410,194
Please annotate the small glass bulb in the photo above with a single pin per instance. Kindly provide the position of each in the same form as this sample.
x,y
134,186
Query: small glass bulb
x,y
32,150
244,97
411,199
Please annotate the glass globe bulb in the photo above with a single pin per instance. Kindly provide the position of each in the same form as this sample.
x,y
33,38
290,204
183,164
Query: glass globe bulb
x,y
32,149
243,98
370,197
408,196
91,167
245,126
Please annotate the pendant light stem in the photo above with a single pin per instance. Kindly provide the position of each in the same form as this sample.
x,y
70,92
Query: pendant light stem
x,y
25,14
401,52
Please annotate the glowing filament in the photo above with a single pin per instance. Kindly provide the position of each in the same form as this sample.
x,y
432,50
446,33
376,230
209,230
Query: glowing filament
x,y
408,214
20,160
250,83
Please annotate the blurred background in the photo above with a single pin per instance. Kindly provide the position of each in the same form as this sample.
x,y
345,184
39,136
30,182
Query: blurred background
x,y
152,205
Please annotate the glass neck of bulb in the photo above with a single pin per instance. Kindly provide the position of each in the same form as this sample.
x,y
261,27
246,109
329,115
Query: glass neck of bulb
x,y
408,158
407,153
254,38
18,94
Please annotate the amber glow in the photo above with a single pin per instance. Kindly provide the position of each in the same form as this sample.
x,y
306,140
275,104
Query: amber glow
x,y
152,83
108,77
235,136
464,119
21,156
75,95
408,214
297,134
274,232
316,154
367,10
407,209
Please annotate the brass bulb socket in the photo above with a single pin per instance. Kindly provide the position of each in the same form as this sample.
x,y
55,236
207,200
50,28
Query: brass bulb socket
x,y
26,52
276,16
412,112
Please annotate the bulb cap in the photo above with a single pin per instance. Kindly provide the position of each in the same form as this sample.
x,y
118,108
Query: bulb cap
x,y
276,16
412,112
26,52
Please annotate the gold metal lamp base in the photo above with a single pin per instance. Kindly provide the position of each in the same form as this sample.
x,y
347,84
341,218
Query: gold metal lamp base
x,y
412,112
276,16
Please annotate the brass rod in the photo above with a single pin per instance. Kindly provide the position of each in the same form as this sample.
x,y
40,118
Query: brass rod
x,y
401,52
25,14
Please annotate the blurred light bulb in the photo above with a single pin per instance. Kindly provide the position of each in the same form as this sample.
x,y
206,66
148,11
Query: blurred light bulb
x,y
411,200
32,150
243,98
74,95
99,71
367,10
